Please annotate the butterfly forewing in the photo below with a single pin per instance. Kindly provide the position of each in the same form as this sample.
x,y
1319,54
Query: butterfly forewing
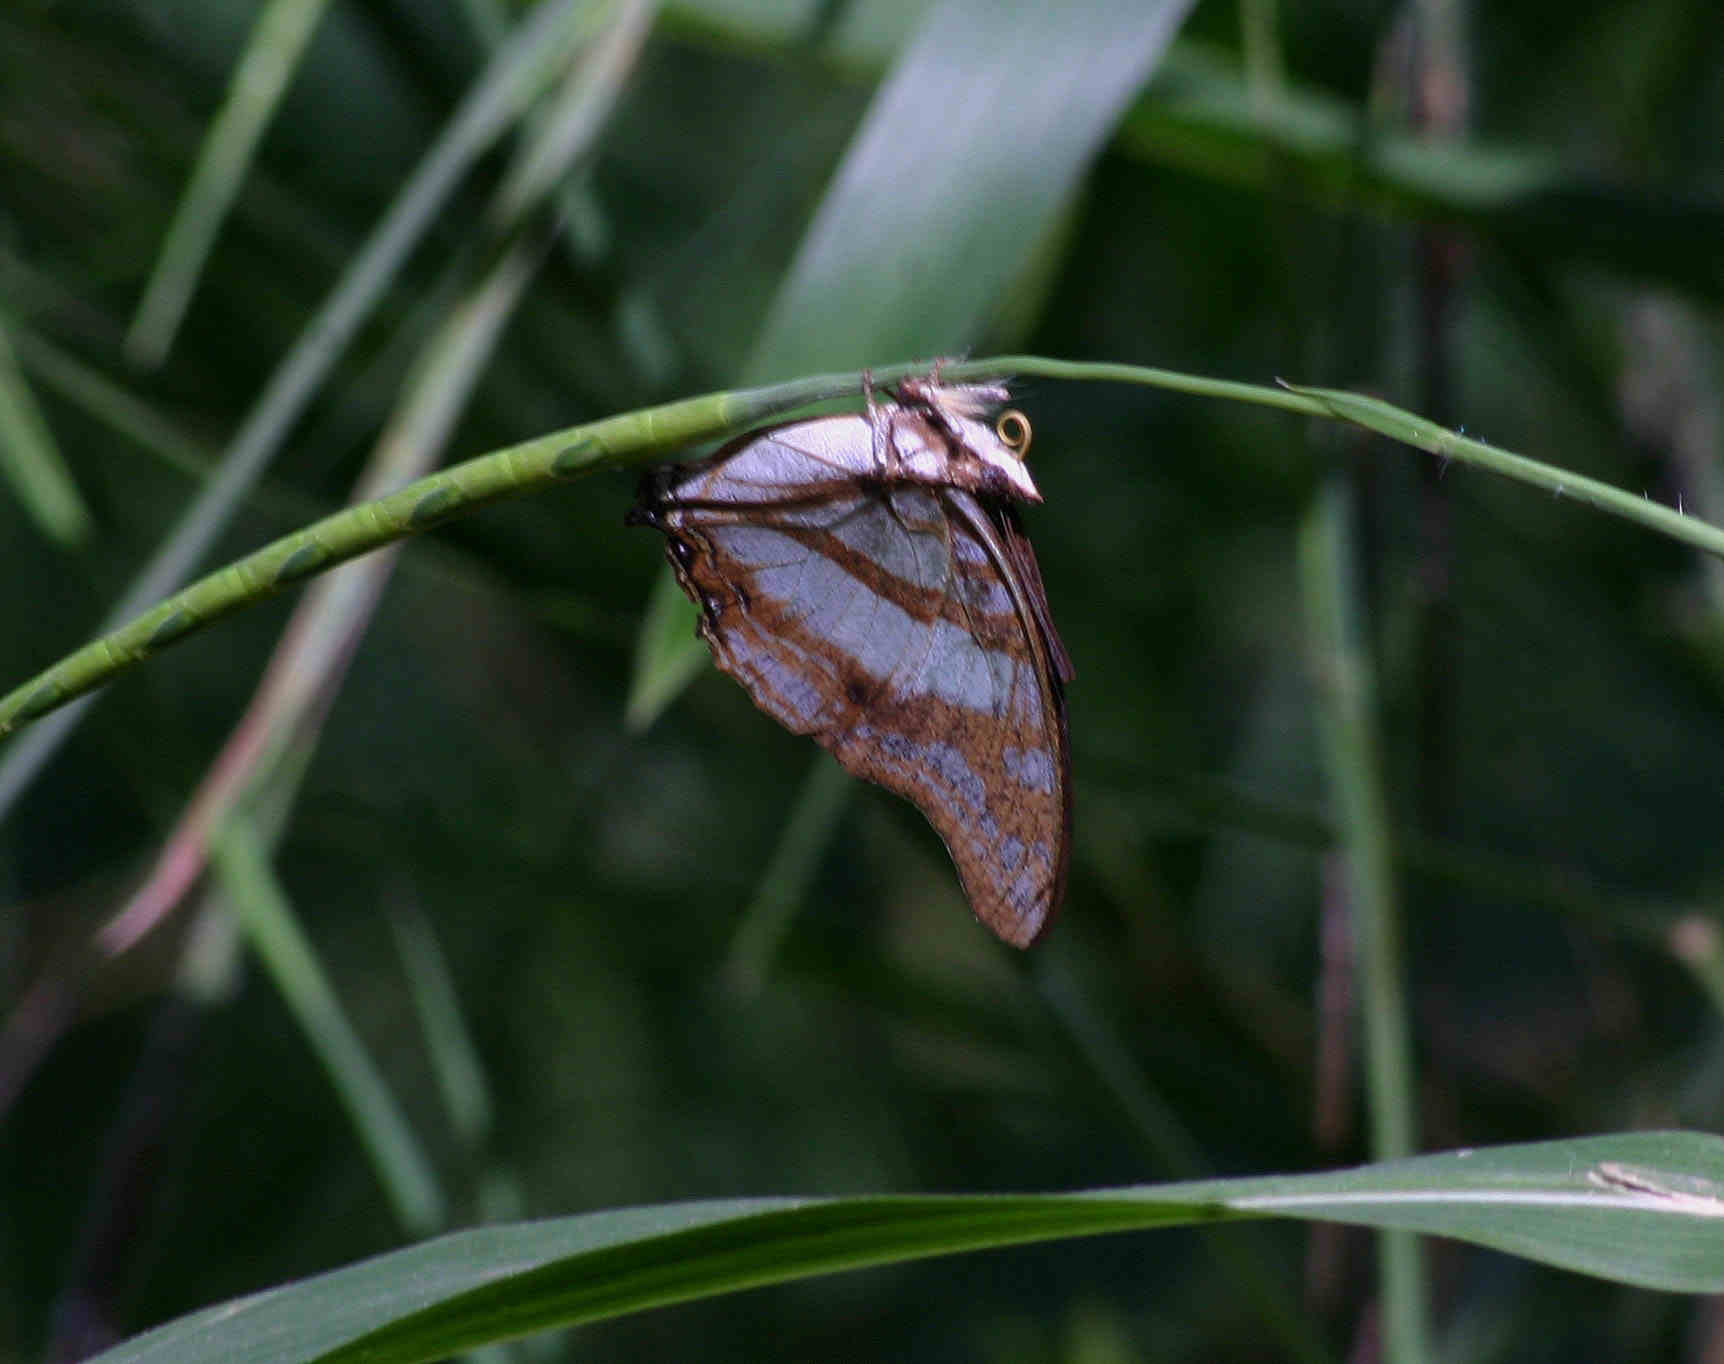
x,y
903,626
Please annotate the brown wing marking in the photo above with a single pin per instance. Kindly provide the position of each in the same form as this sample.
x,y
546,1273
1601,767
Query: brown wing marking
x,y
954,702
907,631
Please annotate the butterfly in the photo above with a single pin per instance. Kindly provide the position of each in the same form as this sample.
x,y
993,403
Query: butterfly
x,y
867,579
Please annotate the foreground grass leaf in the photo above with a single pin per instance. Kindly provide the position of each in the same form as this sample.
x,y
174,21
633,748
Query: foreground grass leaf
x,y
1642,1208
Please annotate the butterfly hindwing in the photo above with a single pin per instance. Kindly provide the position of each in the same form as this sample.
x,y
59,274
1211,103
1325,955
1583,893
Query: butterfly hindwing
x,y
899,622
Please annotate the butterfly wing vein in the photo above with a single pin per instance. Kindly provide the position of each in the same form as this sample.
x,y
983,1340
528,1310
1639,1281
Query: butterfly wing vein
x,y
904,628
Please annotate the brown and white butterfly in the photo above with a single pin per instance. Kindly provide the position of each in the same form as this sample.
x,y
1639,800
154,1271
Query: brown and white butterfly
x,y
866,578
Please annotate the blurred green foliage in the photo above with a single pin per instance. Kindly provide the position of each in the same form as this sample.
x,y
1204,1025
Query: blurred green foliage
x,y
1543,273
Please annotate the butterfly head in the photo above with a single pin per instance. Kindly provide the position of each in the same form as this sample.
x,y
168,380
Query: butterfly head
x,y
958,443
999,453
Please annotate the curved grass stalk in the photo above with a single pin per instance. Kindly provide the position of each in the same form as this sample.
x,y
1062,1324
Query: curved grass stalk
x,y
661,433
1347,721
631,438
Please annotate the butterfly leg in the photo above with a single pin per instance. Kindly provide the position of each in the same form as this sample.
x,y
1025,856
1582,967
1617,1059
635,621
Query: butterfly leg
x,y
932,399
883,418
880,434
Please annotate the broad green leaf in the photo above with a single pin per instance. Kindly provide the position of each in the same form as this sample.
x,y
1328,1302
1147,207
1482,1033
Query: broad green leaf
x,y
975,141
1643,1208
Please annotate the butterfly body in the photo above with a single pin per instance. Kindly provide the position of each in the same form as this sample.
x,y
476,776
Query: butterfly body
x,y
866,578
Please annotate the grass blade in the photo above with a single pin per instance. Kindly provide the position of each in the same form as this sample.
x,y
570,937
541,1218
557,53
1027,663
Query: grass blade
x,y
1641,1208
511,80
312,659
1004,105
268,63
1347,721
663,432
663,664
449,1043
273,930
784,885
30,460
